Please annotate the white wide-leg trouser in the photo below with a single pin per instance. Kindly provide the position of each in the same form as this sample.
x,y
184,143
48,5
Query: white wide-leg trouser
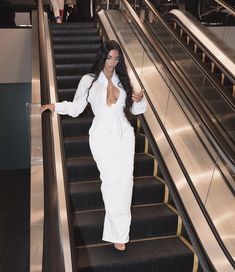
x,y
115,158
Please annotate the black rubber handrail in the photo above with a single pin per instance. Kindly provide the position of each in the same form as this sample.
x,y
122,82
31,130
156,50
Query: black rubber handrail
x,y
53,259
204,49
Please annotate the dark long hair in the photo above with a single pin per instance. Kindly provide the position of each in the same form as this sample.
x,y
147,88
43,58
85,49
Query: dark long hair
x,y
120,70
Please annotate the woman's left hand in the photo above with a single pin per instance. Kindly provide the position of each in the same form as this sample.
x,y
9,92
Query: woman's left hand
x,y
137,96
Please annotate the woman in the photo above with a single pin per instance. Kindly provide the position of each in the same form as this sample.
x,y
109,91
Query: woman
x,y
58,9
108,89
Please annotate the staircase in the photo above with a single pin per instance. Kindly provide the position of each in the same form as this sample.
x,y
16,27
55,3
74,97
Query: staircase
x,y
156,241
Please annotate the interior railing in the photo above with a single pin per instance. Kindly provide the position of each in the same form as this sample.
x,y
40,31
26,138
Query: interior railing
x,y
37,188
50,248
229,8
219,138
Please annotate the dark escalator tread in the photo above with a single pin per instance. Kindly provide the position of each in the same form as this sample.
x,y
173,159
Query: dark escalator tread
x,y
198,80
82,169
219,106
86,169
72,69
144,165
74,31
147,222
68,82
87,195
74,127
208,93
228,122
76,48
66,94
165,255
79,146
74,25
77,58
75,39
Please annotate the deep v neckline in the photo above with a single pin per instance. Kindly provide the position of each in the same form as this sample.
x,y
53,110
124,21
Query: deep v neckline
x,y
106,97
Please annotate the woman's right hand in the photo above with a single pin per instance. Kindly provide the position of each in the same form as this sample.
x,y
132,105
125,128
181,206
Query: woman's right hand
x,y
45,107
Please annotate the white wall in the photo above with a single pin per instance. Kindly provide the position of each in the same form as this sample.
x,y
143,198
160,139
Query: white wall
x,y
22,18
15,55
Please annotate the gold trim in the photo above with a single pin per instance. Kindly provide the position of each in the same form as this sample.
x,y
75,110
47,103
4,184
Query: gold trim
x,y
212,67
131,241
155,167
203,57
188,39
146,144
195,258
180,222
222,78
155,164
138,125
179,226
166,194
181,32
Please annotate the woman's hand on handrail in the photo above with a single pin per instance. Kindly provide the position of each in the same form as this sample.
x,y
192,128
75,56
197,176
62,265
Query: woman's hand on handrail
x,y
137,96
50,107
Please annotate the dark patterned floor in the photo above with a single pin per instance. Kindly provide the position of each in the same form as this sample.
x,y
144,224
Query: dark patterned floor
x,y
14,220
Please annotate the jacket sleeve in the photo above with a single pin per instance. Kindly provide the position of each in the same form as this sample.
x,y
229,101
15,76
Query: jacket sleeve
x,y
79,102
139,107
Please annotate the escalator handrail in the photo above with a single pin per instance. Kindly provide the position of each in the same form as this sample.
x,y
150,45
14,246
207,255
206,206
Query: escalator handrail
x,y
57,254
214,135
226,6
36,156
212,50
217,85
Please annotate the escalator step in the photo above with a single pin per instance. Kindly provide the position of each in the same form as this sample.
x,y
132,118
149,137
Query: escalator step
x,y
74,31
74,25
78,58
79,146
147,222
72,69
76,48
66,94
86,169
76,39
165,255
68,82
75,127
87,195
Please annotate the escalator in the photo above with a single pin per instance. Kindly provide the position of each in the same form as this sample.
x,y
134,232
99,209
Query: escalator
x,y
167,214
158,241
208,80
